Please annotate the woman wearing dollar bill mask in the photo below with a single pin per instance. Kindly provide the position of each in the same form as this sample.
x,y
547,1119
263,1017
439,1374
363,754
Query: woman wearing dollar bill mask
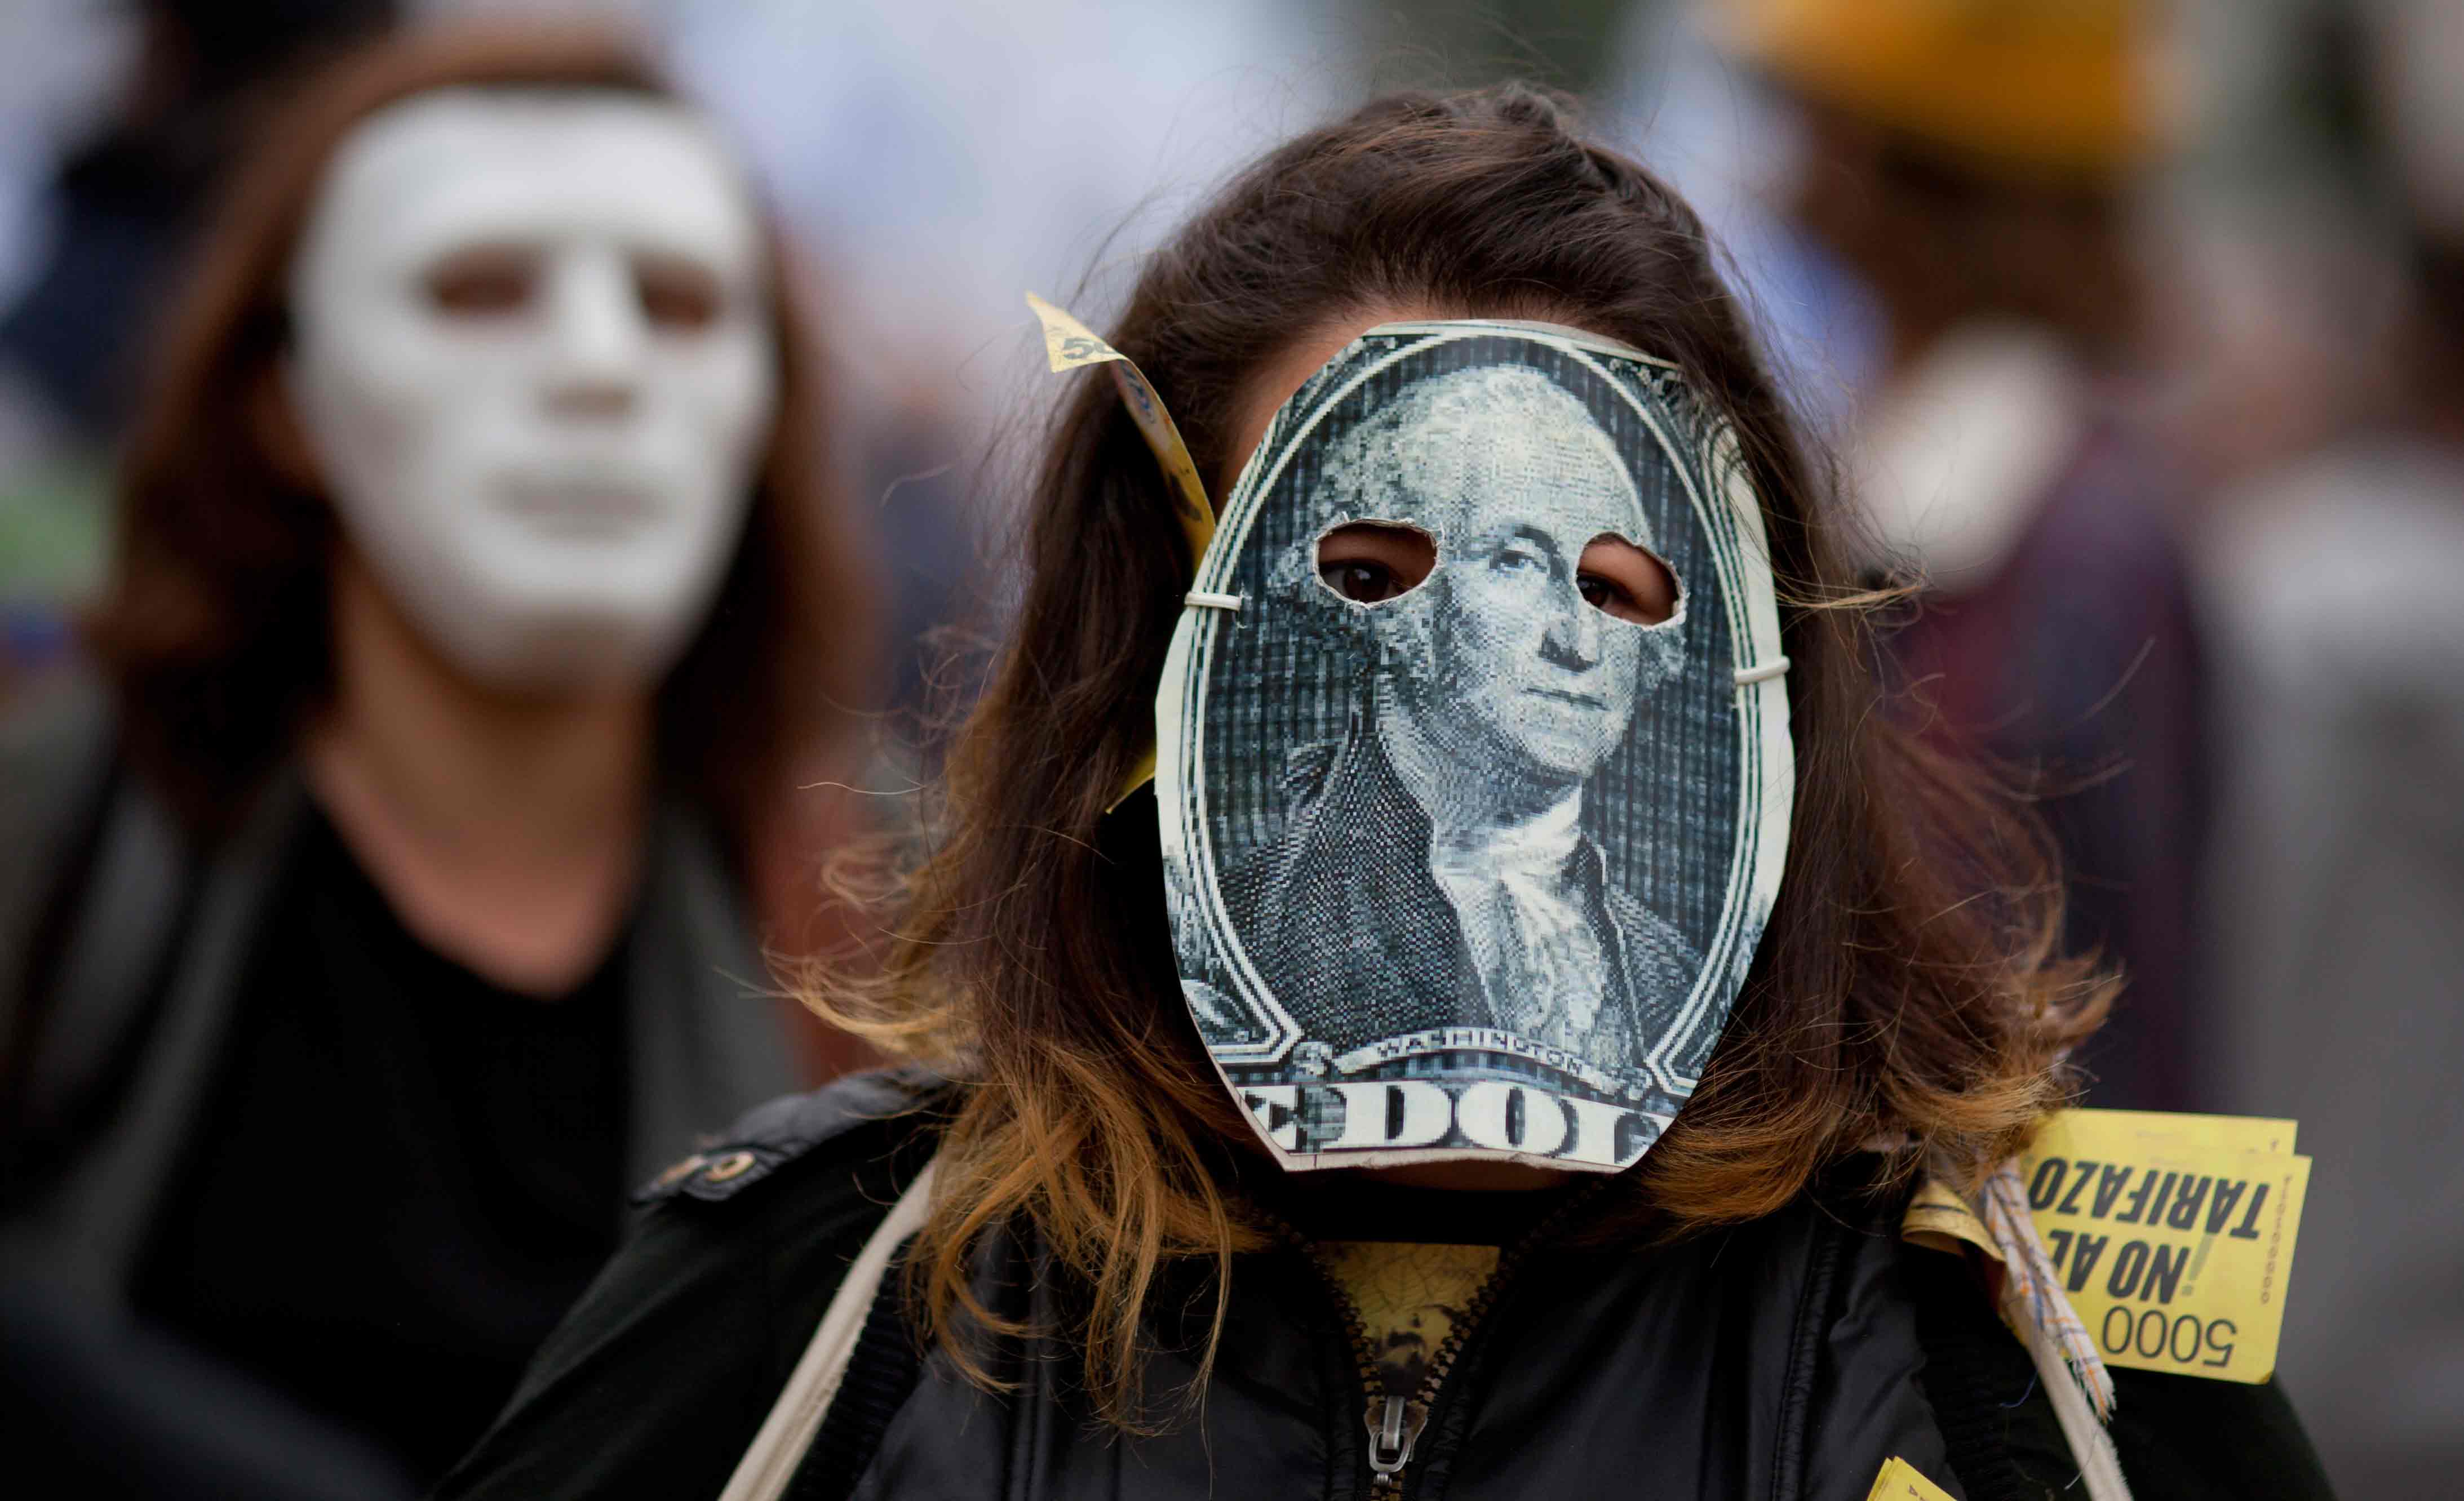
x,y
1137,1276
479,577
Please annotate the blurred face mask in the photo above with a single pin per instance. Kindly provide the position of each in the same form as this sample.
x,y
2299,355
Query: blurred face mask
x,y
1471,865
533,357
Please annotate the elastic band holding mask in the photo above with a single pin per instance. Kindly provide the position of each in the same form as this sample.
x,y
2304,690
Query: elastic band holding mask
x,y
1071,345
1761,672
1214,602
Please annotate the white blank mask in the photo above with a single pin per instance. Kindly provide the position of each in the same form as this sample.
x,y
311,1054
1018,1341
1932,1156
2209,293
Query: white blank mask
x,y
534,357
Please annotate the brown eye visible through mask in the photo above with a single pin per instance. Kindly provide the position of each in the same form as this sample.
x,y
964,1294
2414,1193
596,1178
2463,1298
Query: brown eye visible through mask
x,y
1621,579
1369,562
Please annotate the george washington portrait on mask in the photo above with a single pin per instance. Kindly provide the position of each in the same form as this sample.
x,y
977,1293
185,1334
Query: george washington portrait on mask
x,y
1439,841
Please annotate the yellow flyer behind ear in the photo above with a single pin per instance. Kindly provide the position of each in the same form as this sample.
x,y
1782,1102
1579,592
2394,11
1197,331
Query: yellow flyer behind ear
x,y
1070,345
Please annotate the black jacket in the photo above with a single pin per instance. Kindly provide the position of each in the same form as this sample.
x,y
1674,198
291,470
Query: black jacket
x,y
123,949
1784,1359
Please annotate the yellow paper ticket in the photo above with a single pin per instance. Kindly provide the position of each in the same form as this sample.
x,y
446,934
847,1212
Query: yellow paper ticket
x,y
1901,1481
1939,1218
1070,345
2221,1132
2173,1246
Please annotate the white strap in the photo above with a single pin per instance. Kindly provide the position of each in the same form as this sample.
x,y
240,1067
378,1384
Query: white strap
x,y
2091,1446
770,1461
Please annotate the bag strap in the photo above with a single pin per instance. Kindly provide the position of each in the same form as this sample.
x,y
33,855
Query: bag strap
x,y
770,1461
2039,1312
2092,1448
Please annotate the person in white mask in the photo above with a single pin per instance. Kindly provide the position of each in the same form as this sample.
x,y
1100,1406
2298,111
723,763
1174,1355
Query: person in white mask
x,y
476,573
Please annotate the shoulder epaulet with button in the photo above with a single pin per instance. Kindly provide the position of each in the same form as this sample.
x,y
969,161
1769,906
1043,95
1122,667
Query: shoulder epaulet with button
x,y
770,1136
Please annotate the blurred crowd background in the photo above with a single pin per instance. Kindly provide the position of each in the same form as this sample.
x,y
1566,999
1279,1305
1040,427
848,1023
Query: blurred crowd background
x,y
2135,331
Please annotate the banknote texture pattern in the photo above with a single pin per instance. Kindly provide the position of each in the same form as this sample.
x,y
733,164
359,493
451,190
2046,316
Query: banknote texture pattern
x,y
1476,870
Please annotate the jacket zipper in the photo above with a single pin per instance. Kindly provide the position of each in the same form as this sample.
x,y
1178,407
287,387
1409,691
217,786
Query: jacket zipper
x,y
1394,1421
1394,1425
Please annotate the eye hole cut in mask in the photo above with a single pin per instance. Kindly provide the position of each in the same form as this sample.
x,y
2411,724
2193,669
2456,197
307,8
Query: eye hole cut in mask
x,y
533,355
1367,563
676,293
1473,763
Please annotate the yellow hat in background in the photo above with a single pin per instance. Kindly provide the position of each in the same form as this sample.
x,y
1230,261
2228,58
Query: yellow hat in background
x,y
2048,87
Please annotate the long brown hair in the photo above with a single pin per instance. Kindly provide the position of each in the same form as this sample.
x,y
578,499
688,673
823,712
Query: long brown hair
x,y
1907,990
213,625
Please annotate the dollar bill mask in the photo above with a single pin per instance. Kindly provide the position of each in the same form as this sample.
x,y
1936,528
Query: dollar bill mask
x,y
1475,870
533,357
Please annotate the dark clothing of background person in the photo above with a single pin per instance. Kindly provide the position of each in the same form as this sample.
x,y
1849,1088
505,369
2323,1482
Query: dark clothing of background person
x,y
2076,663
1789,1355
128,1412
469,1161
226,1066
1358,842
